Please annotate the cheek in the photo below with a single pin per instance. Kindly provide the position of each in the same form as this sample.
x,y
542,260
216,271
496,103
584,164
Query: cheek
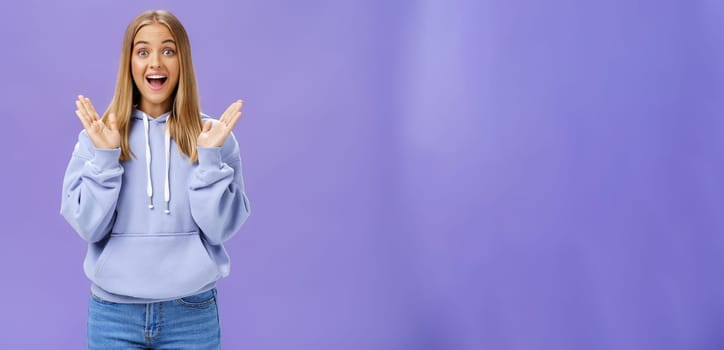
x,y
136,69
174,68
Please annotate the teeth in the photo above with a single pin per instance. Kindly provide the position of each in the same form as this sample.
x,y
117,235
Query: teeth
x,y
156,76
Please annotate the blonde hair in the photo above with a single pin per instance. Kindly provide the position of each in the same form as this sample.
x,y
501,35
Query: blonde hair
x,y
184,123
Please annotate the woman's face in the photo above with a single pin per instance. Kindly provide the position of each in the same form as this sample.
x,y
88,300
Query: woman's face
x,y
155,68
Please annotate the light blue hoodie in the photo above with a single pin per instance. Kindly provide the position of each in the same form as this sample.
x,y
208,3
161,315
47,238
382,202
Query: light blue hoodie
x,y
138,254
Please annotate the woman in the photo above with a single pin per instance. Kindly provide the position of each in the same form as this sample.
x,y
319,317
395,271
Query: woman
x,y
155,187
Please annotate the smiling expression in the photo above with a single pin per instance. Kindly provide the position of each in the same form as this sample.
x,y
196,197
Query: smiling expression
x,y
155,68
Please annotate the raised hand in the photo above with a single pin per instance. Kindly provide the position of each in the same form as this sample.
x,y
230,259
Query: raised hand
x,y
215,135
102,135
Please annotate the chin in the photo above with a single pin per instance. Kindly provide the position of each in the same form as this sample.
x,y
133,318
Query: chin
x,y
156,99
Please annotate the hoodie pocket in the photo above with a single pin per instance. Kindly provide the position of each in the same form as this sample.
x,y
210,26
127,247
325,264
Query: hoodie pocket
x,y
155,266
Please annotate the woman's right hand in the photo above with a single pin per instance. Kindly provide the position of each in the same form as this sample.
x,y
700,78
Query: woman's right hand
x,y
102,135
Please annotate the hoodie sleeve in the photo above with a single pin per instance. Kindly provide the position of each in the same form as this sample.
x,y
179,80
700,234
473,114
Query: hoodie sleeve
x,y
219,205
91,186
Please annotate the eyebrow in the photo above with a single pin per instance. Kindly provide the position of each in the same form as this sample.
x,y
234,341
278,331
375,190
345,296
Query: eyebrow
x,y
146,42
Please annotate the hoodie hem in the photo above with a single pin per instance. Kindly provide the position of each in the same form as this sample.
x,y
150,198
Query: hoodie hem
x,y
104,295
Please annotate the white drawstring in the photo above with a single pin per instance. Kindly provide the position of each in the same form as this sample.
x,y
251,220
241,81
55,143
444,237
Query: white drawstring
x,y
166,189
149,185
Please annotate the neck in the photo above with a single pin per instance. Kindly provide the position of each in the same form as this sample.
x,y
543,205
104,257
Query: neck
x,y
154,110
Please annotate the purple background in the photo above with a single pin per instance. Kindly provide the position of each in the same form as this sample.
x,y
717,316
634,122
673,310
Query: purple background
x,y
501,174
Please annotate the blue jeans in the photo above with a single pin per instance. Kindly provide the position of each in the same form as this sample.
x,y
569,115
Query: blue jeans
x,y
187,323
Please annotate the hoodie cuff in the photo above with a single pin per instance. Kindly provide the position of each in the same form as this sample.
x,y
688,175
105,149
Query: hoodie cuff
x,y
106,158
209,157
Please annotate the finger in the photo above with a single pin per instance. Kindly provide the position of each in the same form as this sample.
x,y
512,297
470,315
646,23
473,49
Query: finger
x,y
82,119
230,111
207,126
233,108
80,112
113,124
84,108
88,108
80,103
235,118
91,109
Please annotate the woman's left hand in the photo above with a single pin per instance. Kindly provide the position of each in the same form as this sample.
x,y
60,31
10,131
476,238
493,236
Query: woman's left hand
x,y
214,135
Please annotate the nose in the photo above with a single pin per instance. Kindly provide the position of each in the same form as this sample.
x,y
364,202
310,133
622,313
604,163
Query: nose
x,y
155,61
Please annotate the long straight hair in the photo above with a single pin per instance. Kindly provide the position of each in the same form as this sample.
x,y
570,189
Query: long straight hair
x,y
184,123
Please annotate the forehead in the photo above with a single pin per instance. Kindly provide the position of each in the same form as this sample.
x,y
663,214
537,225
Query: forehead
x,y
151,33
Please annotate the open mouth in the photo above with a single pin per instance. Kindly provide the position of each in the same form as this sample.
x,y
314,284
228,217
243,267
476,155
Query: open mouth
x,y
156,81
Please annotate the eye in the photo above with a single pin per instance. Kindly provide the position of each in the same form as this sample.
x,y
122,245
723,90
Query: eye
x,y
168,52
142,52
